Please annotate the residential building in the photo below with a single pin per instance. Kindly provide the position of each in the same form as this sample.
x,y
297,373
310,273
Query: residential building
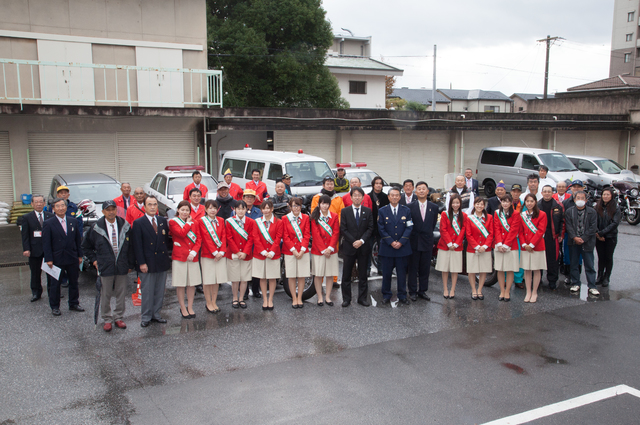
x,y
423,96
624,39
521,100
476,100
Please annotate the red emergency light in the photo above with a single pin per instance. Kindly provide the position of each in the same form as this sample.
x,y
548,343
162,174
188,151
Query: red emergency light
x,y
300,151
247,146
351,164
184,168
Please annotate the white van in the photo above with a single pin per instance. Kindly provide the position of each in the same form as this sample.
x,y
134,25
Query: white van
x,y
513,165
306,171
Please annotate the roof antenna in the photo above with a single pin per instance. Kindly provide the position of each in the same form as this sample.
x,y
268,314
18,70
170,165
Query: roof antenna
x,y
349,31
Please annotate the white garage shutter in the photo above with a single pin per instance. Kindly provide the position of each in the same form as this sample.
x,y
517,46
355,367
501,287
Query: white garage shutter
x,y
60,153
427,157
142,155
607,144
320,143
380,150
474,141
570,142
6,179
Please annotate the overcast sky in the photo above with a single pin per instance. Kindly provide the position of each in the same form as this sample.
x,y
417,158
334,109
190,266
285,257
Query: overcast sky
x,y
484,44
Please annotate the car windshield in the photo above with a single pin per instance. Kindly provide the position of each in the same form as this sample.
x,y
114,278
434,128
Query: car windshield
x,y
364,176
308,173
609,166
97,192
557,162
177,184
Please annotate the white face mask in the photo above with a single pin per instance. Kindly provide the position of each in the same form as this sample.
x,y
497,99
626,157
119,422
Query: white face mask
x,y
580,204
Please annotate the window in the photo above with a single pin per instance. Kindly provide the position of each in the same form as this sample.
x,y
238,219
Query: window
x,y
154,183
488,108
235,165
520,108
529,162
631,16
556,162
507,159
586,166
629,37
252,166
308,173
357,87
609,166
627,57
162,185
275,172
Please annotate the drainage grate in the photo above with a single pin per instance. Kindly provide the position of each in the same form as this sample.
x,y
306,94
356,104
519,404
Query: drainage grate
x,y
20,263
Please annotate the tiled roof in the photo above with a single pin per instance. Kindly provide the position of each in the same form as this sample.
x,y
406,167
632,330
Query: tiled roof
x,y
358,62
531,96
473,94
422,96
618,81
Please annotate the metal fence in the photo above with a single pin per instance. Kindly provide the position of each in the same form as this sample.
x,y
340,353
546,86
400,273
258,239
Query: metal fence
x,y
61,83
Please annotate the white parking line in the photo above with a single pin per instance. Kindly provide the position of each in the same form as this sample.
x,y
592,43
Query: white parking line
x,y
563,406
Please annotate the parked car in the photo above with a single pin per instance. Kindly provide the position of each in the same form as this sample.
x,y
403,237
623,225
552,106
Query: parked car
x,y
168,186
513,165
366,176
601,171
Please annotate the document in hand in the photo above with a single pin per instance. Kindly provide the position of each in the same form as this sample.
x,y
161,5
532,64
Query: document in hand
x,y
54,271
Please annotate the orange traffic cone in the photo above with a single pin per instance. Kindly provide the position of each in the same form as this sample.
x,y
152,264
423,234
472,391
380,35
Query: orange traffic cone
x,y
137,296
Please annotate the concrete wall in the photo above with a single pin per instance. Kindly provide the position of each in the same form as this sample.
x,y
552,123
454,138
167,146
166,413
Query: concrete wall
x,y
519,103
589,104
375,97
352,47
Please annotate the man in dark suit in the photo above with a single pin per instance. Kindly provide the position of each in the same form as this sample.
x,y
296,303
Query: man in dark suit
x,y
493,203
150,240
61,244
31,230
407,195
424,215
470,182
356,226
394,226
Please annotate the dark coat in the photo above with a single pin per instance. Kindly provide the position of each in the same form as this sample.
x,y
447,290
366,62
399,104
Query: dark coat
x,y
151,248
403,198
30,224
493,205
226,207
608,226
351,232
97,247
422,232
63,249
590,227
394,229
377,201
555,217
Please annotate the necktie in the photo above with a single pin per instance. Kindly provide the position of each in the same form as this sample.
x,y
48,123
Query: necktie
x,y
155,226
394,213
422,210
358,216
298,221
267,223
114,240
240,223
64,225
40,218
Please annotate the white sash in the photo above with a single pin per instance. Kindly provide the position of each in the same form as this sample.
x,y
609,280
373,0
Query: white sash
x,y
239,230
190,234
503,220
212,231
478,223
527,220
294,223
325,226
263,229
455,224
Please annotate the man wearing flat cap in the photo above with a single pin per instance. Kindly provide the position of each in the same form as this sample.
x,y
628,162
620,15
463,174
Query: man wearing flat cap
x,y
234,189
286,179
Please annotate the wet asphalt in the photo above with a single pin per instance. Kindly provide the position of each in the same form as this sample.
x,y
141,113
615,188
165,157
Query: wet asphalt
x,y
445,361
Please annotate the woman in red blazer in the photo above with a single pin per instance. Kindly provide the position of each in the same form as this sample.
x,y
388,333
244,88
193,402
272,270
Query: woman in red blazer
x,y
239,230
506,227
532,258
479,232
214,246
450,245
296,235
185,271
267,235
325,232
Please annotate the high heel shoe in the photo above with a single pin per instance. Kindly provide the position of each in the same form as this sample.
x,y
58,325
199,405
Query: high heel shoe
x,y
188,316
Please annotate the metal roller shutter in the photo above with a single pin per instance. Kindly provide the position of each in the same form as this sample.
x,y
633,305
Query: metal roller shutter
x,y
320,143
381,151
571,142
6,178
523,139
427,159
142,155
59,153
606,144
474,141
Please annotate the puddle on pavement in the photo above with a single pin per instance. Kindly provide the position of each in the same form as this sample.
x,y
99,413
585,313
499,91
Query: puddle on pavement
x,y
515,368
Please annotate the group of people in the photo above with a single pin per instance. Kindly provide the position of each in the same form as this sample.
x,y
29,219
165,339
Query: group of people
x,y
241,236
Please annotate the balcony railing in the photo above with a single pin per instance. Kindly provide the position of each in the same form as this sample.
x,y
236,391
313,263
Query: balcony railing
x,y
61,83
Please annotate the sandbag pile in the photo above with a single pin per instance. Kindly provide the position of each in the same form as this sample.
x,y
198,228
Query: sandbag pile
x,y
5,213
17,211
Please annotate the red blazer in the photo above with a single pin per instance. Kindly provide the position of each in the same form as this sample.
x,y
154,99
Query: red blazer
x,y
261,191
235,191
366,201
235,242
182,245
134,213
208,246
203,189
475,238
321,239
447,234
500,235
122,211
537,239
260,243
289,235
195,216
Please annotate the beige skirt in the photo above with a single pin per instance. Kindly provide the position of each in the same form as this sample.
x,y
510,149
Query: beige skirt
x,y
479,263
214,272
297,268
536,260
323,266
185,273
506,261
265,269
239,270
449,261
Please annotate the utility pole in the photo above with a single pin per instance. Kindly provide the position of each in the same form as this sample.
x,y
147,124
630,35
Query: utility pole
x,y
549,39
433,90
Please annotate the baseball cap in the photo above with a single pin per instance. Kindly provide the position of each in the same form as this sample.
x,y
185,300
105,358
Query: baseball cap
x,y
286,176
107,204
61,188
222,185
577,182
249,192
516,186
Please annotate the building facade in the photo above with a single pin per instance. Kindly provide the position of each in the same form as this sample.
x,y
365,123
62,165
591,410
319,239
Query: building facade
x,y
624,38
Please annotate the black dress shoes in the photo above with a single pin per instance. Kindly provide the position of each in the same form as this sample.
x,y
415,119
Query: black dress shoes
x,y
161,320
413,297
56,312
364,303
199,289
144,324
257,295
386,301
35,298
76,308
404,301
424,296
346,303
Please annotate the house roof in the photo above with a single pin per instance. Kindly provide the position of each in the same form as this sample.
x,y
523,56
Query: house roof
x,y
343,63
530,96
422,96
473,94
615,82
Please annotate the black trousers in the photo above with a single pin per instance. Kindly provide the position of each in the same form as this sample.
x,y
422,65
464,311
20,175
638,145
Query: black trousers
x,y
35,265
605,250
362,256
254,285
419,268
553,266
54,287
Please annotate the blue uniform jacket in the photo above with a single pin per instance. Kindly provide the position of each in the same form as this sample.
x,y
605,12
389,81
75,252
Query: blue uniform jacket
x,y
398,229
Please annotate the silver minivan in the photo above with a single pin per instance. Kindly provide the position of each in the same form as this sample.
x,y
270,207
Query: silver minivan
x,y
601,171
513,165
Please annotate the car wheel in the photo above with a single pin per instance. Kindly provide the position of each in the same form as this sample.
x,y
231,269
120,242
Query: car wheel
x,y
489,188
309,287
375,260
